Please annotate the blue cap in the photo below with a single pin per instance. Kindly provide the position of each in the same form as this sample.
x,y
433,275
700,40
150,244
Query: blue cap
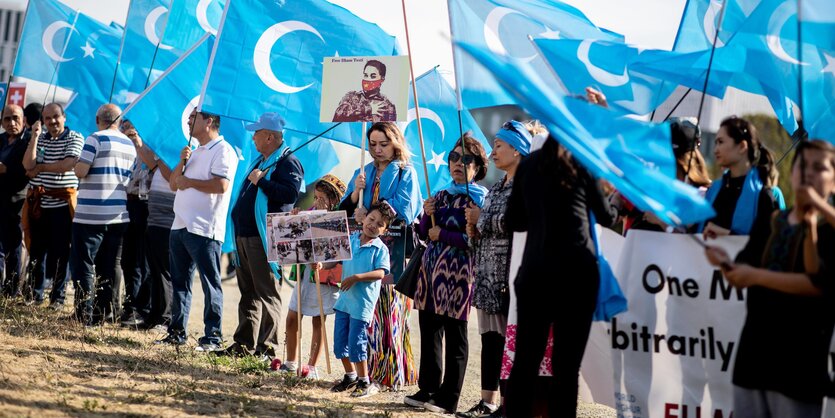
x,y
270,121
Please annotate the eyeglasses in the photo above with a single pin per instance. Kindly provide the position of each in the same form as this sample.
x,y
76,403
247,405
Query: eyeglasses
x,y
467,159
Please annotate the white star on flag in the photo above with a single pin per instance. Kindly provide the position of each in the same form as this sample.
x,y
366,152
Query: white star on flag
x,y
830,64
437,160
88,50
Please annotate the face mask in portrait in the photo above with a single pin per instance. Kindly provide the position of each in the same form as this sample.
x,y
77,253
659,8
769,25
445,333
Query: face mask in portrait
x,y
371,85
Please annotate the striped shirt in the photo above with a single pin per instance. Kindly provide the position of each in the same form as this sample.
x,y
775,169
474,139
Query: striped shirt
x,y
53,150
160,202
102,199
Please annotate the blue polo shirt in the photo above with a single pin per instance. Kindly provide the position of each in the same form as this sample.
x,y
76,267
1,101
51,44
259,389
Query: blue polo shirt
x,y
359,300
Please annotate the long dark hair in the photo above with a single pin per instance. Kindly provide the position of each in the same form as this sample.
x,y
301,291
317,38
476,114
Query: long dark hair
x,y
554,155
758,155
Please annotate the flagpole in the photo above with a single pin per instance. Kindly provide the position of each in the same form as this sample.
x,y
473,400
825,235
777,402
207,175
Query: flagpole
x,y
417,103
220,28
457,94
119,58
58,64
362,161
710,61
683,96
800,130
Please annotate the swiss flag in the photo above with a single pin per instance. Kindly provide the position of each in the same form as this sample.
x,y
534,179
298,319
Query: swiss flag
x,y
16,94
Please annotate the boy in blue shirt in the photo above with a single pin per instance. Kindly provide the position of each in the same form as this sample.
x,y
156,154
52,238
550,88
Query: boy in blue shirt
x,y
360,289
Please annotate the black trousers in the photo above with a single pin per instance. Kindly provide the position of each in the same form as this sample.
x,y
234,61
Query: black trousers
x,y
134,261
570,317
159,280
11,243
434,354
492,351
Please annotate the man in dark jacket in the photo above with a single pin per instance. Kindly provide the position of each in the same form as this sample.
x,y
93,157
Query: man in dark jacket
x,y
13,183
272,185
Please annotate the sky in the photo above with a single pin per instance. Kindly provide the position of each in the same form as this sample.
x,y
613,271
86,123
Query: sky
x,y
647,23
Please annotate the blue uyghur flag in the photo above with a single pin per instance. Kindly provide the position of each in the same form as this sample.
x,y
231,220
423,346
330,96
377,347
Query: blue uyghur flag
x,y
189,20
439,120
86,50
270,60
145,26
636,157
161,113
502,27
702,18
775,62
606,67
45,32
818,26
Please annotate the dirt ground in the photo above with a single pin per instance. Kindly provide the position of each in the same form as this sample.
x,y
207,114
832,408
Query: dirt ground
x,y
50,366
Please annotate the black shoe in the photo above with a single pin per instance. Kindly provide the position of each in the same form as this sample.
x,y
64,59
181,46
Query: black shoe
x,y
234,350
347,383
132,320
437,405
418,399
480,410
172,339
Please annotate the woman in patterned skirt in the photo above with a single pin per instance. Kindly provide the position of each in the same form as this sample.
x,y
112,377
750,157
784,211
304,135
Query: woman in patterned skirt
x,y
490,242
444,285
390,177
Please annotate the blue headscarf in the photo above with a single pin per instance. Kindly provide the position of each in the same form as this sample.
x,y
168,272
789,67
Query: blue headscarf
x,y
517,136
477,191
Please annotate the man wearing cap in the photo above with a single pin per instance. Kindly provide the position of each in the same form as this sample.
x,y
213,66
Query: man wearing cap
x,y
203,191
272,185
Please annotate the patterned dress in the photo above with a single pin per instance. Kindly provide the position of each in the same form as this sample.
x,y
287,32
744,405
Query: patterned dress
x,y
446,275
390,360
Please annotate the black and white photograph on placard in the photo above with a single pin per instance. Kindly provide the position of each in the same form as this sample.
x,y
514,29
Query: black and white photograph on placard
x,y
329,224
332,249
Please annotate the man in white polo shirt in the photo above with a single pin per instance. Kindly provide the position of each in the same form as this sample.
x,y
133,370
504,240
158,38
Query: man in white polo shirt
x,y
101,215
200,208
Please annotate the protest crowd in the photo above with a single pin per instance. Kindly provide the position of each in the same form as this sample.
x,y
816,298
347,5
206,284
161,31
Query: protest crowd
x,y
114,208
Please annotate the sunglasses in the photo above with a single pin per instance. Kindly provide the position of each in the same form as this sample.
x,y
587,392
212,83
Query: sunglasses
x,y
467,159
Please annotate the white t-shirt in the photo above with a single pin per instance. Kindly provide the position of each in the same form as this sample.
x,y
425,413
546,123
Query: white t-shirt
x,y
201,213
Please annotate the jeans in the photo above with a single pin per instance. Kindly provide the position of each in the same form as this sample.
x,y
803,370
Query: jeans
x,y
159,279
93,263
350,337
49,255
190,251
134,262
11,242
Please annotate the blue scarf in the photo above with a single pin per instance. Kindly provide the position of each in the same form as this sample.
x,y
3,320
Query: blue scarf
x,y
261,204
610,298
745,211
477,191
398,186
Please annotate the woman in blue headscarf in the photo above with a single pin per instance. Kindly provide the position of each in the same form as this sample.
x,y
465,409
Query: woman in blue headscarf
x,y
444,284
747,192
490,240
390,177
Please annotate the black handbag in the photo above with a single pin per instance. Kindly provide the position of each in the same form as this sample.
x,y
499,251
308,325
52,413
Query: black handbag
x,y
407,282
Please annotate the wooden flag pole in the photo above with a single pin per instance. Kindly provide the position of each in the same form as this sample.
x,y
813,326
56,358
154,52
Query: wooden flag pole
x,y
362,162
322,321
299,281
417,105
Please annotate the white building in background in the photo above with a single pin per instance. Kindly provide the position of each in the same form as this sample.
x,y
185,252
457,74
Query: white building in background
x,y
11,26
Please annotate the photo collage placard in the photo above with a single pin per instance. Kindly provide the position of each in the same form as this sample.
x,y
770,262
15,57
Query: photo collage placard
x,y
309,237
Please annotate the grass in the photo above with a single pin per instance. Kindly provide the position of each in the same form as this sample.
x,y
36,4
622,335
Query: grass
x,y
50,366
